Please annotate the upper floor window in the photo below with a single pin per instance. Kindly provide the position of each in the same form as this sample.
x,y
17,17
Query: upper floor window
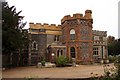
x,y
57,38
101,38
42,30
96,37
72,34
83,22
34,30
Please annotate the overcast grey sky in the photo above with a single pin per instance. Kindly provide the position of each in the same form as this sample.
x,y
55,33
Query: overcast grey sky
x,y
104,12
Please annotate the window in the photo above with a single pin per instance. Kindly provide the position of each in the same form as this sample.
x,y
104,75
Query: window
x,y
101,38
42,30
72,23
59,53
34,45
72,34
95,51
83,22
34,30
56,37
96,37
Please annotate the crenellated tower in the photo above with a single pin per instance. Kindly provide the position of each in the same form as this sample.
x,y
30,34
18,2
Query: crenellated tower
x,y
77,36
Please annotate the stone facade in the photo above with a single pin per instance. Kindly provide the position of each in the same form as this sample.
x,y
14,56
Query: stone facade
x,y
73,39
45,41
77,36
100,45
38,46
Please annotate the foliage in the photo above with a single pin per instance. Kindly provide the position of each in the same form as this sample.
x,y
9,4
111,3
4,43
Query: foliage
x,y
61,61
114,48
110,39
112,59
117,64
110,73
13,35
43,63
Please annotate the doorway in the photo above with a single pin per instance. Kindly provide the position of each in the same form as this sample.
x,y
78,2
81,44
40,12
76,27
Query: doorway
x,y
72,52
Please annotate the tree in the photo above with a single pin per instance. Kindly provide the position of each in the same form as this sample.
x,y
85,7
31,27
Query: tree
x,y
14,37
110,39
114,47
13,34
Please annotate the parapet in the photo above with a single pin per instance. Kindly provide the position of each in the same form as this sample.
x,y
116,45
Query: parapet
x,y
53,24
88,15
88,11
31,23
44,26
99,33
77,15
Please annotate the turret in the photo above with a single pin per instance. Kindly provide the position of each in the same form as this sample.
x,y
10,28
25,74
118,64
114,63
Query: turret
x,y
88,14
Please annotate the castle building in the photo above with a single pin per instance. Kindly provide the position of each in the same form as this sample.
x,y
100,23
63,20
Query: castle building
x,y
74,38
99,45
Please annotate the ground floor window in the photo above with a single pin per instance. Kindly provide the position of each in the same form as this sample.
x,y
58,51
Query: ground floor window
x,y
59,53
95,51
34,45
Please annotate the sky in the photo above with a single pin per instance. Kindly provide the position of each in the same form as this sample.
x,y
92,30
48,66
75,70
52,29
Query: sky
x,y
104,12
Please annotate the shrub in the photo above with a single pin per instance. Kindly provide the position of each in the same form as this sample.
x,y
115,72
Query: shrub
x,y
43,63
117,64
112,59
61,61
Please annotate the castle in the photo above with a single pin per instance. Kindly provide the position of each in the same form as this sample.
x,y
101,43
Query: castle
x,y
74,38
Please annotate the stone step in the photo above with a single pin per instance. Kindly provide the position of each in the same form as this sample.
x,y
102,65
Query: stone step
x,y
49,65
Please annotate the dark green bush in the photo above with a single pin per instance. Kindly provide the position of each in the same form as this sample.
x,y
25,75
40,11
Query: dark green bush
x,y
112,59
117,64
61,61
43,63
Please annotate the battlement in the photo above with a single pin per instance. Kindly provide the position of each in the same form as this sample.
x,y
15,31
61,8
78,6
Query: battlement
x,y
88,11
100,33
88,15
44,26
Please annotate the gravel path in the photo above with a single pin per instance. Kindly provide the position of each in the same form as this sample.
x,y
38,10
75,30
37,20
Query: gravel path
x,y
81,71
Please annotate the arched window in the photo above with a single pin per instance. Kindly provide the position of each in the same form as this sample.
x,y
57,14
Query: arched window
x,y
56,38
72,34
59,52
34,45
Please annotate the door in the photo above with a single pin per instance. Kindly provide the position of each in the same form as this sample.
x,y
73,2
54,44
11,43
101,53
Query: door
x,y
72,52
